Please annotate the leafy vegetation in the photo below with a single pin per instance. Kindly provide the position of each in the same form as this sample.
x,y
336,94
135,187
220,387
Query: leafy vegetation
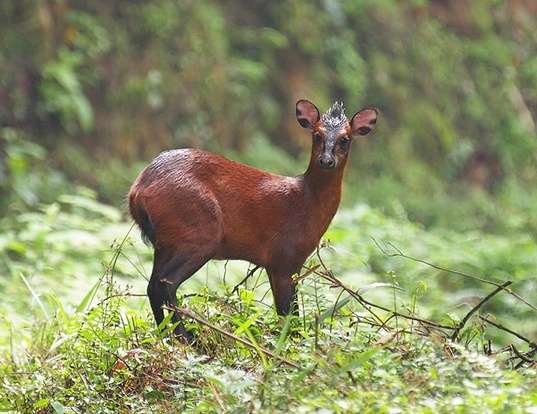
x,y
113,360
96,349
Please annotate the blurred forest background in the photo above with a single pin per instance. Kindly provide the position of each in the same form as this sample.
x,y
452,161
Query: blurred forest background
x,y
91,91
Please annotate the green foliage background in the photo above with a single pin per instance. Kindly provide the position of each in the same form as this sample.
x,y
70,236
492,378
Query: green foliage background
x,y
91,91
104,86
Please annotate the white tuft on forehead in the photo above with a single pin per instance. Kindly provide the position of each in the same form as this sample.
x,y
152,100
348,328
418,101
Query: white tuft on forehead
x,y
334,118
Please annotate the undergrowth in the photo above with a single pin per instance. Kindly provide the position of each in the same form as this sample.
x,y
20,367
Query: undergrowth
x,y
110,358
97,350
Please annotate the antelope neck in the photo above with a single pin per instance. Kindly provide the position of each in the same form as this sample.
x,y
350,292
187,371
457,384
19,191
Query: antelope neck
x,y
324,185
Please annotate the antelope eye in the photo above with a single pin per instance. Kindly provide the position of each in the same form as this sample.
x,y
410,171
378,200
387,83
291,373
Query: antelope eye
x,y
344,141
317,136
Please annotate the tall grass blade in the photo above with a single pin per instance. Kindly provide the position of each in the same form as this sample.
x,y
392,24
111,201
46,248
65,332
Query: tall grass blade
x,y
35,296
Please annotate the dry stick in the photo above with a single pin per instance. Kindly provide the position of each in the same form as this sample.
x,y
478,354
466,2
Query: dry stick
x,y
367,321
120,359
434,266
335,282
365,302
461,324
121,295
521,363
527,355
318,254
503,328
334,309
520,355
305,275
186,313
243,281
405,316
455,272
217,396
406,331
385,323
502,350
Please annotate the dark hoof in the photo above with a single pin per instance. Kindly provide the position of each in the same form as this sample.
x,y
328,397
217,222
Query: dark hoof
x,y
183,335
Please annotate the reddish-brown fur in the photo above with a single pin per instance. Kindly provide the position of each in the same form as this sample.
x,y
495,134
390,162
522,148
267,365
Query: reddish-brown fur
x,y
196,206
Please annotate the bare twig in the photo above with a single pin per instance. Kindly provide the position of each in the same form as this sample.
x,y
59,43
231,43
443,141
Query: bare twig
x,y
217,396
385,323
405,316
188,314
120,295
318,254
336,283
503,328
528,355
306,274
399,253
520,355
120,359
476,308
367,304
243,281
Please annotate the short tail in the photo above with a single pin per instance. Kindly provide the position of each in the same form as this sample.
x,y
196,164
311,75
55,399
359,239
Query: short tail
x,y
141,218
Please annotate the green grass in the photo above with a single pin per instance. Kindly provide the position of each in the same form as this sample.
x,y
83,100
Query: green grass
x,y
112,359
73,338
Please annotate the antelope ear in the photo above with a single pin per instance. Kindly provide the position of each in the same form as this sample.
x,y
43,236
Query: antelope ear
x,y
307,114
363,122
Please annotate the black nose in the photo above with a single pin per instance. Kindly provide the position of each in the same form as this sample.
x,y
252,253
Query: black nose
x,y
327,162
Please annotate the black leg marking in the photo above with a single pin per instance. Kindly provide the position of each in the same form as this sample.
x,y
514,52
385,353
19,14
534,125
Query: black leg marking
x,y
166,278
284,292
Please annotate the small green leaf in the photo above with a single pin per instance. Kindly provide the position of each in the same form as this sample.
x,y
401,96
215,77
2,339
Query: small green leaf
x,y
41,403
246,324
362,358
58,408
35,296
332,310
88,297
283,334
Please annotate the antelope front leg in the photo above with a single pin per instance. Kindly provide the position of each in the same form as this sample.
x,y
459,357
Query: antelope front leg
x,y
284,292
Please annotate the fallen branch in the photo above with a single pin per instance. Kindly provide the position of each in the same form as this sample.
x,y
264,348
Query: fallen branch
x,y
188,314
366,304
305,275
334,282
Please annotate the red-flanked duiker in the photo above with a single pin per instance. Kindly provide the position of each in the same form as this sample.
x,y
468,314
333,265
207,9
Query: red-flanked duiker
x,y
194,206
